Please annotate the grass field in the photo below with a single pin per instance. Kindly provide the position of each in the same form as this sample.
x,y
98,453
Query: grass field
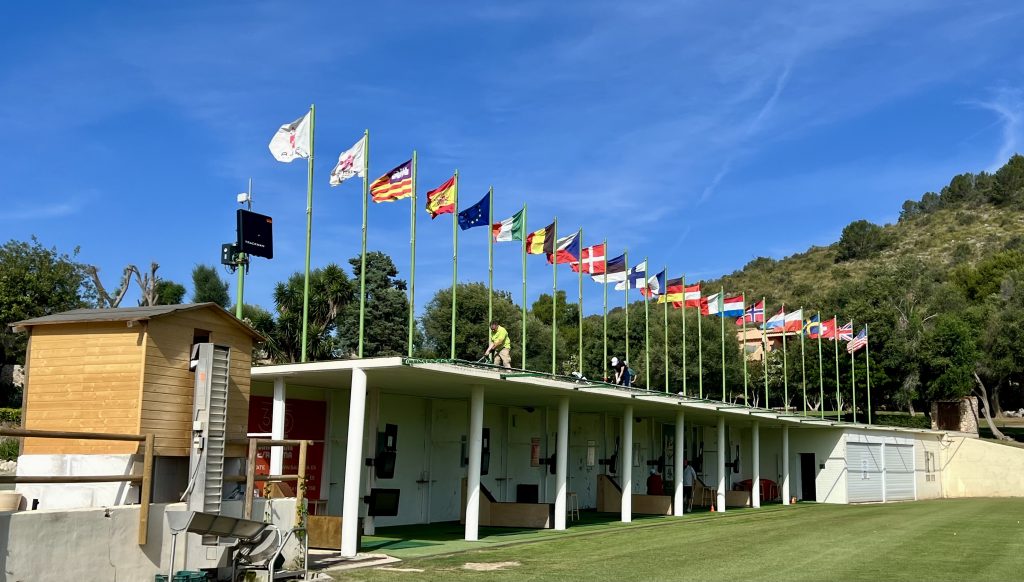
x,y
942,540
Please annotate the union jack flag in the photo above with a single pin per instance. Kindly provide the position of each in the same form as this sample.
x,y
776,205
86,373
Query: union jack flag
x,y
846,332
858,342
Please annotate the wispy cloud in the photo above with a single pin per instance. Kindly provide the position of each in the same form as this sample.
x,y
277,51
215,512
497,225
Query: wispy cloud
x,y
38,212
1008,105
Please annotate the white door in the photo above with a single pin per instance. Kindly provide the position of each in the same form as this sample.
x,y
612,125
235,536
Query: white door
x,y
899,472
864,472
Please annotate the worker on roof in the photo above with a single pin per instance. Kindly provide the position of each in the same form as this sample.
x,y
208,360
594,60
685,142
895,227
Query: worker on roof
x,y
501,345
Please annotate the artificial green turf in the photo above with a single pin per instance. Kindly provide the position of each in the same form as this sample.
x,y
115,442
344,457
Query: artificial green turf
x,y
961,539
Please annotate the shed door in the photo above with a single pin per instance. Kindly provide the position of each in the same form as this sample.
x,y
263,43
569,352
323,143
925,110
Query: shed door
x,y
864,472
899,472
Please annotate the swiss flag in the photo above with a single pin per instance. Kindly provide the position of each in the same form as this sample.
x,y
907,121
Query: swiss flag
x,y
828,329
593,260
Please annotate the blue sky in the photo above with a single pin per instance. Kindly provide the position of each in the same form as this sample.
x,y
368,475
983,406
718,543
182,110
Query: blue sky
x,y
675,129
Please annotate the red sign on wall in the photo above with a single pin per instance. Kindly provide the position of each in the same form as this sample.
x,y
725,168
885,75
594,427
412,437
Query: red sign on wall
x,y
303,420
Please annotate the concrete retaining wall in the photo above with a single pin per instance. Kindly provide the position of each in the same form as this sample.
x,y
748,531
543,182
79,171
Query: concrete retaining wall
x,y
977,468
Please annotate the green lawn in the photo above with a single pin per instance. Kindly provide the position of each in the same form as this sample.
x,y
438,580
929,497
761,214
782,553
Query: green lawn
x,y
963,539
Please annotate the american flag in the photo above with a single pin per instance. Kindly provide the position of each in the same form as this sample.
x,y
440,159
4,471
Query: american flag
x,y
394,185
858,342
846,332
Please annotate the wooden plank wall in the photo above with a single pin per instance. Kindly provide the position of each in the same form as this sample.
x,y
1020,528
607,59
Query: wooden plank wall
x,y
168,384
84,377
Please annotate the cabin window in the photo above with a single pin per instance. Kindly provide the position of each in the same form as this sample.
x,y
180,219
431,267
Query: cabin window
x,y
200,336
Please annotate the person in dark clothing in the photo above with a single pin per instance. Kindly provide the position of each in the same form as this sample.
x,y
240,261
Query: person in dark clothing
x,y
619,371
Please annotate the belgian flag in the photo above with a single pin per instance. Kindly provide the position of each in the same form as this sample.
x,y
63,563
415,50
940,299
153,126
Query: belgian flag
x,y
541,241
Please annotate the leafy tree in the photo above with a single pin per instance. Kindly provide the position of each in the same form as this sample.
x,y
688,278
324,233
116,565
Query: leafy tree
x,y
386,331
330,291
472,326
1008,184
207,286
860,240
169,292
36,281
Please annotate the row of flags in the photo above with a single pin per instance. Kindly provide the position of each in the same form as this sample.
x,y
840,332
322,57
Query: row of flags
x,y
293,140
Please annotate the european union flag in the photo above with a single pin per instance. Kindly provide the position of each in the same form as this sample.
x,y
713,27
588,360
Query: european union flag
x,y
476,215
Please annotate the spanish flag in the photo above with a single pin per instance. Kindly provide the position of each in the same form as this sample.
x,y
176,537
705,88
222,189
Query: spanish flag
x,y
541,241
441,200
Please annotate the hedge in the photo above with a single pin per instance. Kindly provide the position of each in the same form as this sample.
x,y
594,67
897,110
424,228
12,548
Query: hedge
x,y
10,416
902,419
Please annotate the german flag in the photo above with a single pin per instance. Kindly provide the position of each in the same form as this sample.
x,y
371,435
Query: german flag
x,y
541,241
673,292
394,185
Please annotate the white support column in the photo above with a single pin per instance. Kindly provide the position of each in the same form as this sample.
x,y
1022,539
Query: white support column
x,y
476,438
679,456
353,465
785,464
561,461
627,464
755,492
277,426
721,465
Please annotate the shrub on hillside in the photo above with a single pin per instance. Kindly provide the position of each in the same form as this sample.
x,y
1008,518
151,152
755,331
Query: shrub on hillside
x,y
860,240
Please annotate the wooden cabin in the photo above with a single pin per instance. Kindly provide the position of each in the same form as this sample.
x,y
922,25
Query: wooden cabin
x,y
126,370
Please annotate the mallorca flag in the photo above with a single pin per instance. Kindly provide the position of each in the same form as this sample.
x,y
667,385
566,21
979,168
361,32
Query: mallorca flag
x,y
673,292
828,329
754,314
794,321
812,327
776,321
654,286
732,307
568,249
615,271
394,185
509,229
441,200
541,241
846,332
593,260
858,342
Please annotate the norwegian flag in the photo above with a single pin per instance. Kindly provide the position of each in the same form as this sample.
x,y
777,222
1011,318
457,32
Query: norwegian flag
x,y
858,342
846,332
754,314
593,260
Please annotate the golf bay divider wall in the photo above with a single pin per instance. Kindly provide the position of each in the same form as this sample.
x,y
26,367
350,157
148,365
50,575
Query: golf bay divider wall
x,y
978,468
101,543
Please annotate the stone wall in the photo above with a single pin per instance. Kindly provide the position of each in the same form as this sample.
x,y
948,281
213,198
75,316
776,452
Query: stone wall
x,y
967,411
12,374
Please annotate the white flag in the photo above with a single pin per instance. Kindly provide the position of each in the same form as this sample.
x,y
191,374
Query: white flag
x,y
292,141
352,162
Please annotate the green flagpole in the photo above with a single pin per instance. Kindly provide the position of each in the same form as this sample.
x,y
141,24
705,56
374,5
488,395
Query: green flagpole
x,y
785,364
241,262
554,299
821,372
362,252
853,379
764,347
835,338
522,236
455,257
867,361
580,326
625,296
685,392
700,353
721,315
309,230
664,295
803,359
412,258
490,256
746,401
647,327
604,365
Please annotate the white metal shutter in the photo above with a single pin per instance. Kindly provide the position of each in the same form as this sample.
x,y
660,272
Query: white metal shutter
x,y
899,472
864,472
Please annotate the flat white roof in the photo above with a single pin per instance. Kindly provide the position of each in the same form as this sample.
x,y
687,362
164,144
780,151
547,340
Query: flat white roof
x,y
453,380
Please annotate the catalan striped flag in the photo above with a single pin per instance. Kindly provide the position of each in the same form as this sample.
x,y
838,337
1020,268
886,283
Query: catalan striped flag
x,y
541,241
394,185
